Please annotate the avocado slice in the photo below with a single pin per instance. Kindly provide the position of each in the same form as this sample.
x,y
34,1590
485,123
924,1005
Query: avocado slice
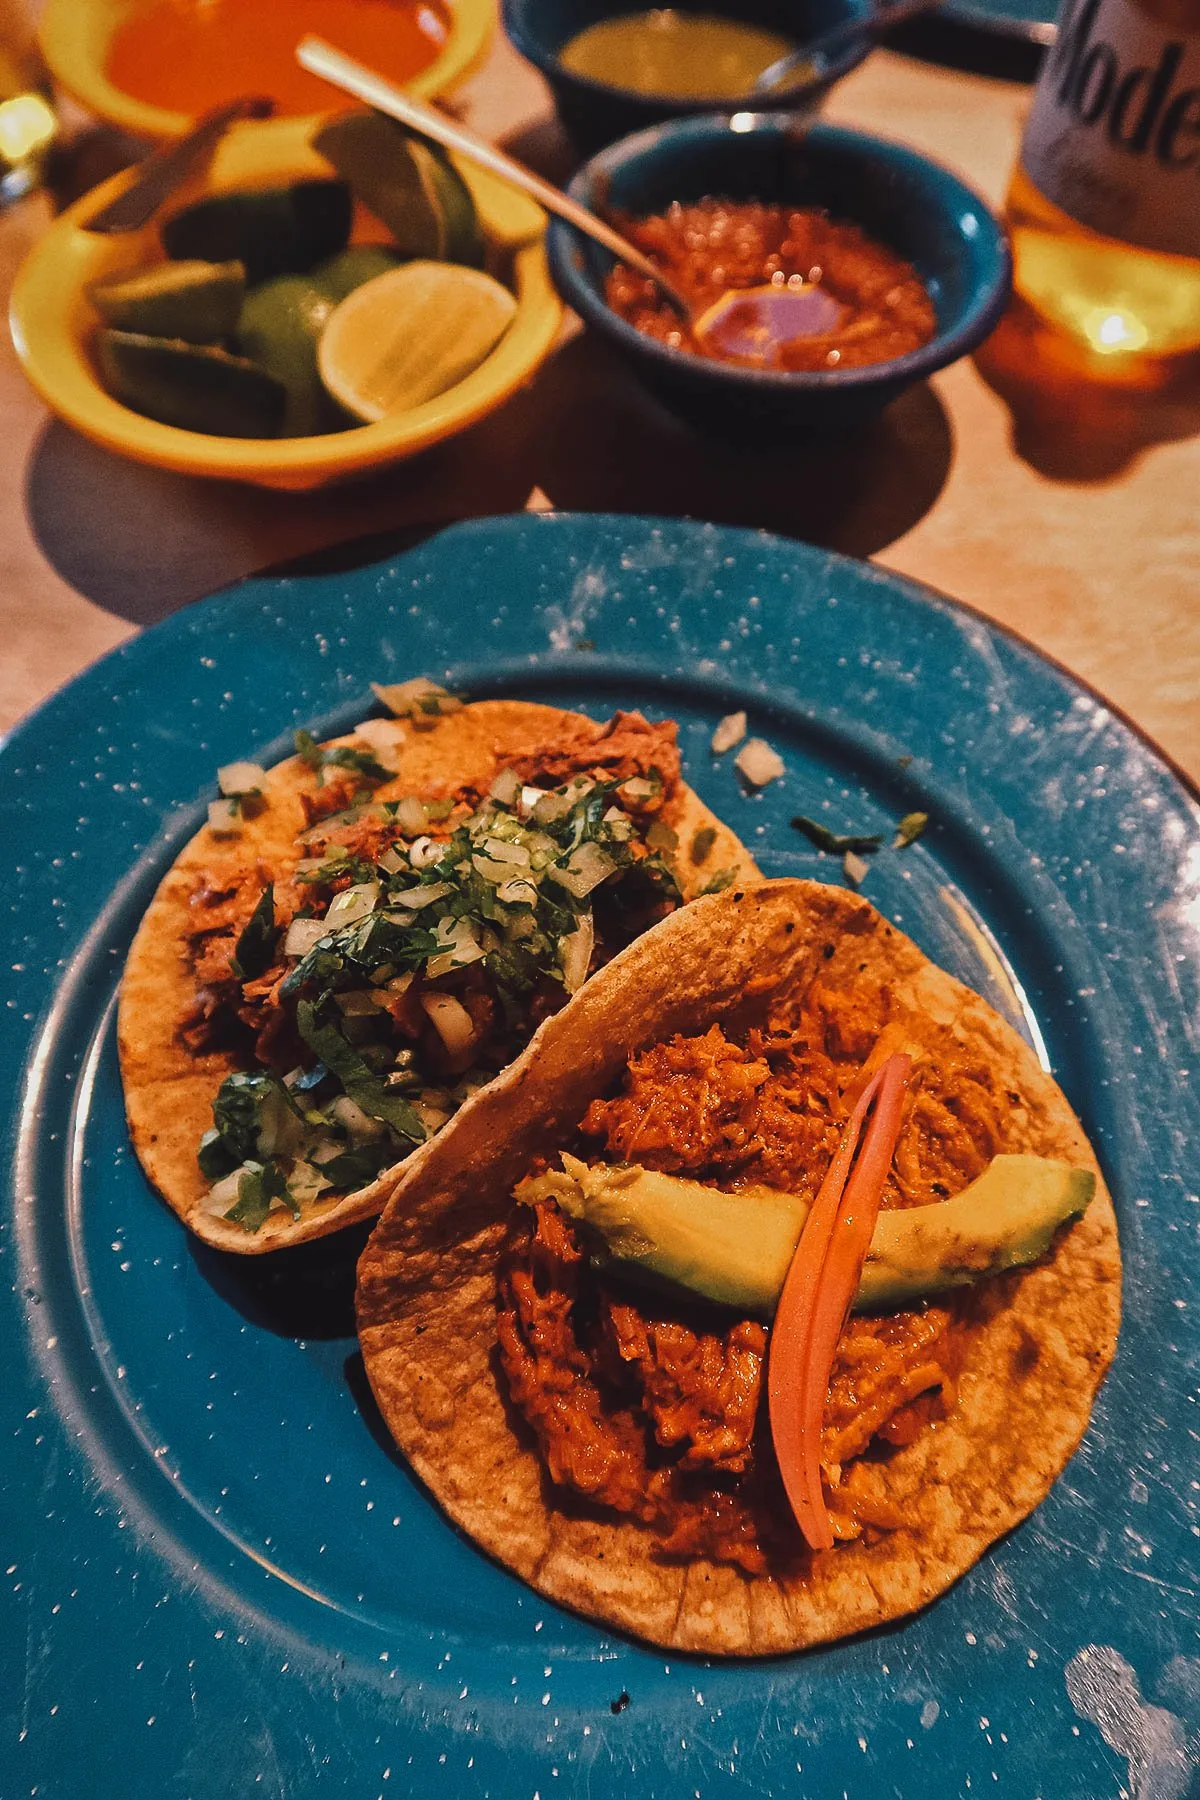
x,y
735,1249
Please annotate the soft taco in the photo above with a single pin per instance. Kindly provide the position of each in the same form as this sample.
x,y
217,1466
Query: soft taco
x,y
579,1310
363,935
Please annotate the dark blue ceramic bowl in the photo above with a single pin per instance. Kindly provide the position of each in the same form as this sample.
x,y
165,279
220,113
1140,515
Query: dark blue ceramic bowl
x,y
898,197
595,113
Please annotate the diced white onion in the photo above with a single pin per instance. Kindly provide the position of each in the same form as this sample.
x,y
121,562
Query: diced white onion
x,y
587,868
451,1020
730,731
359,1126
509,853
552,807
452,959
305,1182
528,800
224,1193
353,904
415,898
757,763
325,1151
302,934
309,865
431,1117
517,893
637,788
506,789
855,867
575,953
400,984
401,697
411,815
424,852
393,860
491,870
381,734
224,818
241,778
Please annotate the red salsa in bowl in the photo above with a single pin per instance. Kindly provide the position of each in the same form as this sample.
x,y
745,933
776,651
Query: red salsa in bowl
x,y
775,287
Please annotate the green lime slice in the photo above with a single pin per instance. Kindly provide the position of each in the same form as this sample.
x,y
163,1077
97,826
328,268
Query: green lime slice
x,y
361,262
403,338
196,301
272,231
194,386
411,186
279,328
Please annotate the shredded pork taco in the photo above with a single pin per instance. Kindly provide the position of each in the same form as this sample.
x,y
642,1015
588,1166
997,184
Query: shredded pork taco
x,y
365,934
765,1290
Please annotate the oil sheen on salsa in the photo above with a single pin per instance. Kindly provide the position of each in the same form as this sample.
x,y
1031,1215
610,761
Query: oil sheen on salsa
x,y
686,56
189,55
774,287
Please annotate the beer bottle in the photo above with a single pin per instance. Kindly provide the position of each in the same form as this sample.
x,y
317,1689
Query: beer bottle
x,y
1105,200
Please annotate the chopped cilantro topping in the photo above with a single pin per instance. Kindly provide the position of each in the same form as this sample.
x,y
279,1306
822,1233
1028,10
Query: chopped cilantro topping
x,y
340,756
256,946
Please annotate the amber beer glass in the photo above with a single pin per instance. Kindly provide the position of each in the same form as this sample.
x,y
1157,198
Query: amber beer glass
x,y
1105,201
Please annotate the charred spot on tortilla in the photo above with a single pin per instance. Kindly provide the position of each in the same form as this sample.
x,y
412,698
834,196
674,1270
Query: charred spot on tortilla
x,y
323,980
617,1405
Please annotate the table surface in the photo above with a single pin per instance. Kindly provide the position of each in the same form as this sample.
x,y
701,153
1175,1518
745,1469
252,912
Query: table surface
x,y
1079,532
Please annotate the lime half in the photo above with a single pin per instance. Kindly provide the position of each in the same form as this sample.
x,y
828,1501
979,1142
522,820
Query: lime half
x,y
194,386
280,327
196,301
403,338
411,185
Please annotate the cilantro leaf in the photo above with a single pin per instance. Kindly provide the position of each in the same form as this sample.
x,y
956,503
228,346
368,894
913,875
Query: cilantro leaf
x,y
363,1086
717,883
256,946
237,1115
703,839
830,842
257,1189
909,829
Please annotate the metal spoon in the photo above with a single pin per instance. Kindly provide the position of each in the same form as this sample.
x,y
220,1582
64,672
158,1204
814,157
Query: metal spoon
x,y
805,59
163,170
320,58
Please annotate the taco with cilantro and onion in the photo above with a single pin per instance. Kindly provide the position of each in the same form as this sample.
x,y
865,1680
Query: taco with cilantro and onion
x,y
362,936
763,1292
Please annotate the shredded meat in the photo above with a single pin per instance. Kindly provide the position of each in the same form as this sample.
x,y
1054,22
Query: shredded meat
x,y
627,746
665,1408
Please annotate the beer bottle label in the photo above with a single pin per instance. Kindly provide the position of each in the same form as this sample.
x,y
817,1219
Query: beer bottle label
x,y
1114,135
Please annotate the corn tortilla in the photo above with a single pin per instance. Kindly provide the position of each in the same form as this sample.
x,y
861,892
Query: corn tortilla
x,y
169,1091
1038,1341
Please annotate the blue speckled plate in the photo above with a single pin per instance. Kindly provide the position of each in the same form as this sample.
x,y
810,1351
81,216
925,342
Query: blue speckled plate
x,y
216,1579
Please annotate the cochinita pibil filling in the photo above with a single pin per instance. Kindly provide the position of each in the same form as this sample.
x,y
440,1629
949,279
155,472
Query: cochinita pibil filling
x,y
819,294
411,948
654,1407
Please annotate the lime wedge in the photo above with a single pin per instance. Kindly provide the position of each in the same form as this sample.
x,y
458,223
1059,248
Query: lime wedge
x,y
280,326
272,231
361,262
194,386
404,337
196,301
411,186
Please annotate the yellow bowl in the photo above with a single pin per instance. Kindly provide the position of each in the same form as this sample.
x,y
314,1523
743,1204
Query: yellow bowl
x,y
75,36
52,321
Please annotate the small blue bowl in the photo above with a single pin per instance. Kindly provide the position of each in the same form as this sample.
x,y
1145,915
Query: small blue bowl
x,y
595,113
920,210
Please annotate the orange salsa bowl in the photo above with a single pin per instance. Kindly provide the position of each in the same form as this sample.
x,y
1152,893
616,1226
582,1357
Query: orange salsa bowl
x,y
144,64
